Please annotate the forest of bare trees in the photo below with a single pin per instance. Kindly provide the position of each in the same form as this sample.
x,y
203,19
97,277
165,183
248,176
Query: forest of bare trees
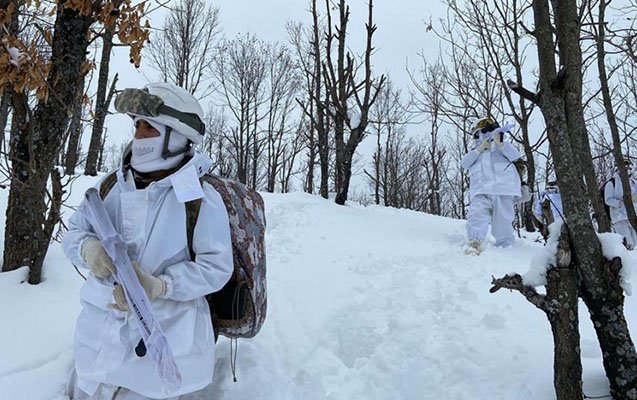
x,y
292,114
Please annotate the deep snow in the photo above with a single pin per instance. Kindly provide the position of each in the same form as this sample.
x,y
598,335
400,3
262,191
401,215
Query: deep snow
x,y
364,303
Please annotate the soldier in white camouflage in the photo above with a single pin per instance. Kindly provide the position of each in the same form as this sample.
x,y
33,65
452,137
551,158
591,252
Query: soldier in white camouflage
x,y
180,256
494,185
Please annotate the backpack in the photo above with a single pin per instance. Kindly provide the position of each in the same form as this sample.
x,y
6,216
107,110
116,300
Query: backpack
x,y
238,310
603,195
520,167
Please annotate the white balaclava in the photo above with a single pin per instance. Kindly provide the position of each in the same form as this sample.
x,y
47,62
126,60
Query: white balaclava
x,y
146,153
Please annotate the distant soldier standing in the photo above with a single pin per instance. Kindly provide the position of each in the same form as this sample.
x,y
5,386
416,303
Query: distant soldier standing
x,y
550,194
614,199
494,185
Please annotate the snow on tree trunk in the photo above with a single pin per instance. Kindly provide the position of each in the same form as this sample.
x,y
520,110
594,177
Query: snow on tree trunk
x,y
560,306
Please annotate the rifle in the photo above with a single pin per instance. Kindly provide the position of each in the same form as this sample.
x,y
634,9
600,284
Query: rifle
x,y
152,335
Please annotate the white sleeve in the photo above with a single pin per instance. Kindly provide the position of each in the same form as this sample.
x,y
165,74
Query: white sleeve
x,y
213,264
510,151
79,230
469,159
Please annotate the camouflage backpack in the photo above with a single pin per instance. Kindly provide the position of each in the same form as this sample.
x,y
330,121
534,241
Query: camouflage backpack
x,y
238,310
520,167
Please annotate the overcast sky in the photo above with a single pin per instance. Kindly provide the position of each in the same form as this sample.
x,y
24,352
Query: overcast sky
x,y
400,37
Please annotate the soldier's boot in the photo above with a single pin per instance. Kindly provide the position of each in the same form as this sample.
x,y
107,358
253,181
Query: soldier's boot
x,y
473,247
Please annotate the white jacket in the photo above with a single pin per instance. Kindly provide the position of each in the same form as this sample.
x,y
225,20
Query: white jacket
x,y
492,171
152,222
613,196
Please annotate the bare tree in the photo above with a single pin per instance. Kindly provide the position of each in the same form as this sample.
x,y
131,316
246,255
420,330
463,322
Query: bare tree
x,y
470,92
241,70
559,304
387,116
75,134
351,100
101,106
183,51
293,147
402,182
599,36
493,32
216,145
430,99
560,100
284,84
38,133
317,99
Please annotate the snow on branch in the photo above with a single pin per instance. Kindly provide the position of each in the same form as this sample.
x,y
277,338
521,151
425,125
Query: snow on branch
x,y
515,282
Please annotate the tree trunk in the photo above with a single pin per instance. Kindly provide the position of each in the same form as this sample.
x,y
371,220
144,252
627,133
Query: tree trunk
x,y
600,290
606,308
5,101
560,101
311,164
37,142
75,134
342,90
564,320
324,161
344,174
101,106
529,219
560,306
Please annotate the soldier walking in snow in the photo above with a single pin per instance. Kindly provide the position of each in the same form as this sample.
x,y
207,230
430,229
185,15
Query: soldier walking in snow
x,y
613,197
160,172
548,207
494,185
551,195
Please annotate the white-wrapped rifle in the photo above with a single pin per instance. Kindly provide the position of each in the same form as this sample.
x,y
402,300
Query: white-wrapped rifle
x,y
502,129
152,335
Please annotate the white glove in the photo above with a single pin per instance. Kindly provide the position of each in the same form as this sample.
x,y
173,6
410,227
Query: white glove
x,y
94,255
497,138
485,145
154,288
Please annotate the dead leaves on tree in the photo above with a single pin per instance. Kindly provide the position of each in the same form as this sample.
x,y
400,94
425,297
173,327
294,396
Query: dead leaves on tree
x,y
24,59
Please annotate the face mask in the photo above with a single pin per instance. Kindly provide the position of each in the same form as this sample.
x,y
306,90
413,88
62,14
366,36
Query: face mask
x,y
146,153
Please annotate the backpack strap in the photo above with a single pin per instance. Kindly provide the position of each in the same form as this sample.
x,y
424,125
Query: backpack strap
x,y
192,213
107,184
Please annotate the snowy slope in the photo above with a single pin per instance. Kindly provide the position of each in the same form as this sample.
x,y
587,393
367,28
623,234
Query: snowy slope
x,y
364,303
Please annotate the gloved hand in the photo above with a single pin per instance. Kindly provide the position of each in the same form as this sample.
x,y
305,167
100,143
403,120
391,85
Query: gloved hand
x,y
635,198
95,257
497,138
485,145
153,286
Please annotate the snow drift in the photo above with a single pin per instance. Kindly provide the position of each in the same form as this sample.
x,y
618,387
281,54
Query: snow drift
x,y
363,303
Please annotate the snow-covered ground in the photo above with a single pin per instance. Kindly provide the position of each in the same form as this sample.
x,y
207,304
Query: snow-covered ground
x,y
364,303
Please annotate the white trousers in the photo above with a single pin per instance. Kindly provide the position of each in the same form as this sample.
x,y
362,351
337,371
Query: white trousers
x,y
625,229
496,210
110,392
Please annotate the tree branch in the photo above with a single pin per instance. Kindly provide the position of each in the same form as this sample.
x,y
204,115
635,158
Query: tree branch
x,y
514,282
523,92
